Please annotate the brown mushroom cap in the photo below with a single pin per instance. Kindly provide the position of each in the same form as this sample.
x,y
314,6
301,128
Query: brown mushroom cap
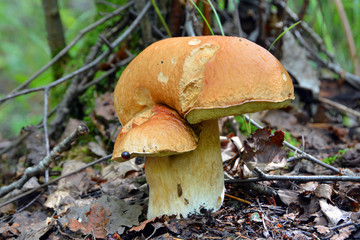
x,y
159,131
203,78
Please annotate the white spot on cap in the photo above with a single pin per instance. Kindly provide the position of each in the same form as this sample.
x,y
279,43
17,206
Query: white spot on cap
x,y
284,77
156,47
173,60
163,78
194,42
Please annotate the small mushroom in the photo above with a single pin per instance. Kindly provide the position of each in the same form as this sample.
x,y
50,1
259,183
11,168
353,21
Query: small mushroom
x,y
169,99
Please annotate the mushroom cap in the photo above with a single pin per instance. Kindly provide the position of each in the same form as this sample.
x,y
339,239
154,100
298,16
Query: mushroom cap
x,y
203,78
159,131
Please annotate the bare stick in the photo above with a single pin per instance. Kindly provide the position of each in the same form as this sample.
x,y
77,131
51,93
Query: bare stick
x,y
69,46
339,106
46,135
108,73
267,177
44,164
55,180
307,156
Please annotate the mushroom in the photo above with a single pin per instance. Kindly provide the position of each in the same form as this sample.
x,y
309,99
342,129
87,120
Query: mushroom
x,y
169,99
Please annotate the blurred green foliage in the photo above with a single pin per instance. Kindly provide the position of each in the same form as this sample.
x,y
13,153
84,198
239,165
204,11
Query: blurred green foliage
x,y
324,18
24,50
337,156
245,127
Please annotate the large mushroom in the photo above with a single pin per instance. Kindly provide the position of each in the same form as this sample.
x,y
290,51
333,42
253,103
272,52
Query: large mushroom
x,y
169,99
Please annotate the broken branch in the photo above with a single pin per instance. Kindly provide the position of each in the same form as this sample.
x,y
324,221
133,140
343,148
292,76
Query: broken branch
x,y
44,164
267,177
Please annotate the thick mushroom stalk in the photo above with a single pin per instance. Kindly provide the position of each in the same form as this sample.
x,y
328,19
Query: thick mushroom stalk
x,y
189,182
183,166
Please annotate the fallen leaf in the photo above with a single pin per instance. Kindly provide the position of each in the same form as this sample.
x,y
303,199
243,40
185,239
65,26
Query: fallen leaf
x,y
306,76
105,215
59,200
309,186
264,150
332,213
104,106
116,170
322,229
344,233
97,149
324,191
288,196
119,188
30,184
97,218
77,183
27,225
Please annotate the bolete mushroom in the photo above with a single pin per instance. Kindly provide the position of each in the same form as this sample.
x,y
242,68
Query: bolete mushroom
x,y
169,99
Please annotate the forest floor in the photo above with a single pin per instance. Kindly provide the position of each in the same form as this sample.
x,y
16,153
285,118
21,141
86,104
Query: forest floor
x,y
109,200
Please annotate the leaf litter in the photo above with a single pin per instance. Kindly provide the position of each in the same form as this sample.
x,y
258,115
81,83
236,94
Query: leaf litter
x,y
112,203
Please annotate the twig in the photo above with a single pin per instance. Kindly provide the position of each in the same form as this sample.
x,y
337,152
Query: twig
x,y
108,73
55,180
307,156
238,199
266,177
113,5
44,164
45,117
339,106
299,157
70,45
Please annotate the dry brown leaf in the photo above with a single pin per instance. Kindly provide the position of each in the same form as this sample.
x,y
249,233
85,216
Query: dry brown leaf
x,y
264,150
97,149
288,196
104,106
322,229
97,218
106,215
324,191
116,170
77,183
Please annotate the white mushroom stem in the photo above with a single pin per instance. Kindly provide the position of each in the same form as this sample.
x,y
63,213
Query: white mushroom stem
x,y
188,182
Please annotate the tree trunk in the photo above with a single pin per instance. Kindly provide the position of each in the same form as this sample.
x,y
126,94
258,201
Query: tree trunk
x,y
55,34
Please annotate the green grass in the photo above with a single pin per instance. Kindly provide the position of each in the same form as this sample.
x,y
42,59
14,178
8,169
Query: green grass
x,y
337,156
324,19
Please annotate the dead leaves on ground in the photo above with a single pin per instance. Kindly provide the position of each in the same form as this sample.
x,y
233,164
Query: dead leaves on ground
x,y
111,203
